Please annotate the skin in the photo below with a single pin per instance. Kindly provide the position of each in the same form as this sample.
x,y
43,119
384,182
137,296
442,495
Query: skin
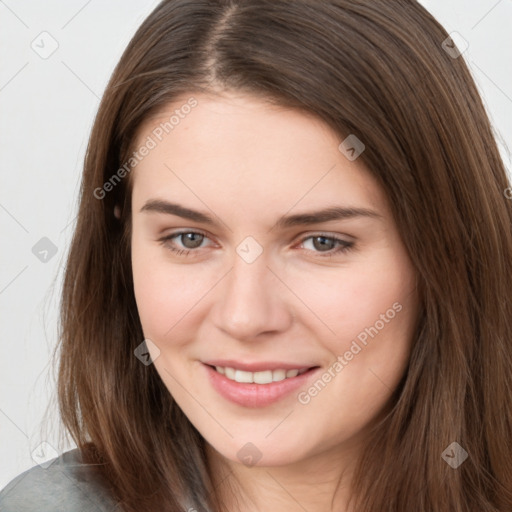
x,y
248,163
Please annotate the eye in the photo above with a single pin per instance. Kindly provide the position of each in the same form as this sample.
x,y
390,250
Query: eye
x,y
328,245
190,241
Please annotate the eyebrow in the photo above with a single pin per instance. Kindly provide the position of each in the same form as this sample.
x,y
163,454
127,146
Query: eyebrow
x,y
286,221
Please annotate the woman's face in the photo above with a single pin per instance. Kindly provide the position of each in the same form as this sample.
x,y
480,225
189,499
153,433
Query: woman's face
x,y
255,280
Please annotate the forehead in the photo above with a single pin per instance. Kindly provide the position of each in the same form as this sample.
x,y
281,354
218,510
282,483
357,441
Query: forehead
x,y
250,152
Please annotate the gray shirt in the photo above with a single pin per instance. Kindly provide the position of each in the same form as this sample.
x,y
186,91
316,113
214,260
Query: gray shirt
x,y
66,485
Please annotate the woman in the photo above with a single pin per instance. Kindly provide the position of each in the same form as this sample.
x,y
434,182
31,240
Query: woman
x,y
289,286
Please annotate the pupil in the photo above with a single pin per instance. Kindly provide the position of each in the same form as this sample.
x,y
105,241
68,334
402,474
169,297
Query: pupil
x,y
195,243
323,239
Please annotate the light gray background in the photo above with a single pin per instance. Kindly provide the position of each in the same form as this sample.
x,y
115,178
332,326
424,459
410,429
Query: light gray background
x,y
47,108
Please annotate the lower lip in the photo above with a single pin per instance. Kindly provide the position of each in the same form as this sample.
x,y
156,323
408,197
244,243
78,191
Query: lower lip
x,y
255,395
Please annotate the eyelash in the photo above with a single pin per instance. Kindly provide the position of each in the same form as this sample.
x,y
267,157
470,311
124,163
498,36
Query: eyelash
x,y
345,246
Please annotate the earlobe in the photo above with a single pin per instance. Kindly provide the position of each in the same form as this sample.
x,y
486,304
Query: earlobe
x,y
117,211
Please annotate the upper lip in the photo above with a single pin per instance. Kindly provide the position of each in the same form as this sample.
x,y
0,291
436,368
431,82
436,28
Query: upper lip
x,y
257,366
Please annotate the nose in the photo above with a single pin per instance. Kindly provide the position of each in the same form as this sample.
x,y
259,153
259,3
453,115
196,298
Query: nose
x,y
252,301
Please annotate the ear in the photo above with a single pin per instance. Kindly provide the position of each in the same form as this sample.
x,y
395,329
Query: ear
x,y
117,211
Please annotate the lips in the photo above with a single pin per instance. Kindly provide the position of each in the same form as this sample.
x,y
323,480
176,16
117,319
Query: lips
x,y
253,388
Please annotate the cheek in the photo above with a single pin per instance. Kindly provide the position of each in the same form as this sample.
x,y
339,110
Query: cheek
x,y
369,352
347,300
376,330
165,293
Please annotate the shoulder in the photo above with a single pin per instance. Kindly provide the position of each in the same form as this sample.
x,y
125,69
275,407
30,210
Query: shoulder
x,y
66,484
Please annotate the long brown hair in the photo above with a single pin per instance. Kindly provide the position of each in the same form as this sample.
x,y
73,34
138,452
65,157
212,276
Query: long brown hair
x,y
374,68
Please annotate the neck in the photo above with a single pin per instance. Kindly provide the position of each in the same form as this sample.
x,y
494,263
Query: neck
x,y
320,483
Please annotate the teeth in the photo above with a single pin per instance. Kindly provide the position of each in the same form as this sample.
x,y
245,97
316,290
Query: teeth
x,y
263,377
230,373
278,375
241,376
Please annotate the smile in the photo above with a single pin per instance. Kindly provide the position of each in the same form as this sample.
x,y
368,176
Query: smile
x,y
257,388
263,377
